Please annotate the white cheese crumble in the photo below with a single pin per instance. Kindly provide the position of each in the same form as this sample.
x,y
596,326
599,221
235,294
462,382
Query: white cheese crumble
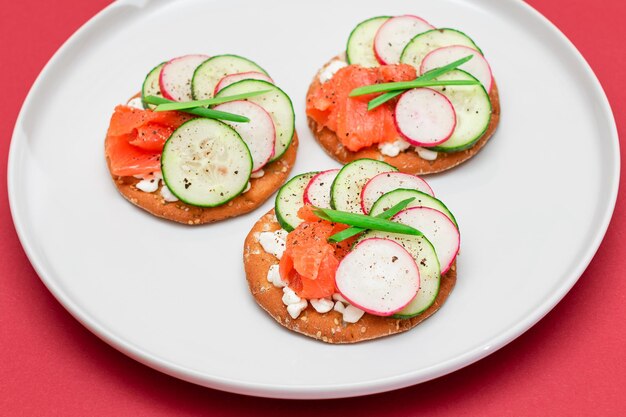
x,y
294,310
247,188
273,276
167,194
339,307
339,297
331,69
352,314
274,242
322,305
295,305
257,174
394,148
426,154
148,185
135,103
290,296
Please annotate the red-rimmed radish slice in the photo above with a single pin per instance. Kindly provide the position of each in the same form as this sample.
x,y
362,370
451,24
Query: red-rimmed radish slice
x,y
389,181
378,276
437,228
259,133
425,117
317,191
176,75
394,34
233,78
477,66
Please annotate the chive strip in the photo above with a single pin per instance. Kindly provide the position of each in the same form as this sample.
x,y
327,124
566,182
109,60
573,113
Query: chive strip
x,y
430,75
387,214
200,111
407,85
175,105
365,222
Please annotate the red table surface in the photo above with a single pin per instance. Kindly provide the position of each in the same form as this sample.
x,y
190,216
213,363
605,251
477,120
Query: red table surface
x,y
571,363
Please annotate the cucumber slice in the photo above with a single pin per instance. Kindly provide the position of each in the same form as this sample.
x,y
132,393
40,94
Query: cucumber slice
x,y
360,48
473,112
426,259
150,86
345,193
276,103
421,200
415,51
211,71
290,199
205,163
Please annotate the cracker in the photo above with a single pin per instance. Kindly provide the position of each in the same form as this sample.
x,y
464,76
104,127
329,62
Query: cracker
x,y
328,327
276,173
408,161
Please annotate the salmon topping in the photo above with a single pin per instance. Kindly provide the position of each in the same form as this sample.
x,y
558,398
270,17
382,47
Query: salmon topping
x,y
309,262
136,137
355,126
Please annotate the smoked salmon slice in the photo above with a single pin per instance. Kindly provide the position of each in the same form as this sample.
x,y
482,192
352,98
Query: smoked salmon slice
x,y
310,262
357,128
136,137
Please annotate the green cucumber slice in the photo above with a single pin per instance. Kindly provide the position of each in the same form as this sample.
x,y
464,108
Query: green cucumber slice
x,y
428,264
276,103
360,48
415,51
211,71
150,86
472,106
205,163
392,198
290,199
345,193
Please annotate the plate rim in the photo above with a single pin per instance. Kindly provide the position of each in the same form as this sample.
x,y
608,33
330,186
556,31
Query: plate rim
x,y
370,386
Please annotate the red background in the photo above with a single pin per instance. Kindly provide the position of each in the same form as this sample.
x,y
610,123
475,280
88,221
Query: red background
x,y
571,363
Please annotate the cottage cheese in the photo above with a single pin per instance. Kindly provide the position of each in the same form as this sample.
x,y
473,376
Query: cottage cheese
x,y
331,69
257,174
273,276
394,148
274,242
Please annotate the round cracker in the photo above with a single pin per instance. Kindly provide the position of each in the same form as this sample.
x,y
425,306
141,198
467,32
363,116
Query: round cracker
x,y
408,161
328,327
276,173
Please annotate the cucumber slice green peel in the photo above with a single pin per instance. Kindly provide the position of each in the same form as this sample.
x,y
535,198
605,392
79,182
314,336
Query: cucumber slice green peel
x,y
200,111
208,102
387,214
364,221
150,86
290,199
206,163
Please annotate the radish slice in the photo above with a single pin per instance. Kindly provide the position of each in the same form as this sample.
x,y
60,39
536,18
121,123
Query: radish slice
x,y
477,66
176,75
378,276
437,228
389,181
394,34
259,133
425,117
233,78
317,191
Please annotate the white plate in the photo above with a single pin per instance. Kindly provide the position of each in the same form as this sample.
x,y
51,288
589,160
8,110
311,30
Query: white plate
x,y
533,206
